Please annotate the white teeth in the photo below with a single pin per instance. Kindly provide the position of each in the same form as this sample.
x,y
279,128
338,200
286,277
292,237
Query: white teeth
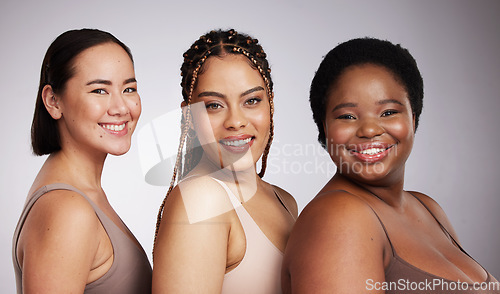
x,y
236,143
372,151
115,128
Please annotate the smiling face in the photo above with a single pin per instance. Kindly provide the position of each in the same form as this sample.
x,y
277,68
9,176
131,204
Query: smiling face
x,y
235,129
369,125
100,105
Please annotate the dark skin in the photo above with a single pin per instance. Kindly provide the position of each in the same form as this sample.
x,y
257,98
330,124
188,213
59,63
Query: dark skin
x,y
338,243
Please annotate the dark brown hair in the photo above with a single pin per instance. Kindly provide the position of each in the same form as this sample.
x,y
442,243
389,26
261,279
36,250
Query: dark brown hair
x,y
215,43
57,69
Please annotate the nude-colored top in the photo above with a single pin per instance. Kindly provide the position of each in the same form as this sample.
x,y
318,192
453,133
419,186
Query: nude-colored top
x,y
130,272
403,277
260,269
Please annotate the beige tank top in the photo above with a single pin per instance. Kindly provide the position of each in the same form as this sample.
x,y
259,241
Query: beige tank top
x,y
260,269
130,272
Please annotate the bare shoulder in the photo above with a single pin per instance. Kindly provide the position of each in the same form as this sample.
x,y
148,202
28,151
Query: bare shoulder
x,y
434,207
336,239
437,211
331,215
336,209
193,237
198,199
62,208
288,199
61,223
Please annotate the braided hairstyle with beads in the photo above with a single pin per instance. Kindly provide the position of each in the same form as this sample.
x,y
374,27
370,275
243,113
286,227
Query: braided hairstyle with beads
x,y
215,43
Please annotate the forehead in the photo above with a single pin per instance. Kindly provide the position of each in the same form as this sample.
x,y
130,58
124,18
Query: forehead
x,y
104,58
366,80
229,67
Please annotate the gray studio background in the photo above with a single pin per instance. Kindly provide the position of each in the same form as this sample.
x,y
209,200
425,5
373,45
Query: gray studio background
x,y
455,43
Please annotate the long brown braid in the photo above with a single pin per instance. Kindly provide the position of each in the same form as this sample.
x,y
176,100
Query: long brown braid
x,y
214,43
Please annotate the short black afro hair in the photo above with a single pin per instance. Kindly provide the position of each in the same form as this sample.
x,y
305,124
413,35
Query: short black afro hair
x,y
365,51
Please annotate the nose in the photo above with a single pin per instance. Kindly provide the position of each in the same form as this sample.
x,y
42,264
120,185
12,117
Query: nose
x,y
369,128
117,105
235,119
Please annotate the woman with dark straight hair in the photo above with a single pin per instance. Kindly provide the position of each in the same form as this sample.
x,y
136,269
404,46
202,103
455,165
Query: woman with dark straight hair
x,y
69,239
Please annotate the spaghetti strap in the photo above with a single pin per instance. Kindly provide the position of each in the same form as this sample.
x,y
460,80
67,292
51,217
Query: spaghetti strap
x,y
278,195
234,200
129,259
440,225
380,221
385,231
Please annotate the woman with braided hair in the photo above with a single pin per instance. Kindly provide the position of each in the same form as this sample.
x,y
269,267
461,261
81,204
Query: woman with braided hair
x,y
222,229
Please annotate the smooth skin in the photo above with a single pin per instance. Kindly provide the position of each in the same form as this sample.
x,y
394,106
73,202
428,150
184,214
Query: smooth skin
x,y
338,243
63,246
201,237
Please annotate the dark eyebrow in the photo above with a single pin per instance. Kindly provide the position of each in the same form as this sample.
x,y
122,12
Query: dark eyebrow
x,y
131,80
107,82
211,93
388,101
258,88
98,81
344,105
220,95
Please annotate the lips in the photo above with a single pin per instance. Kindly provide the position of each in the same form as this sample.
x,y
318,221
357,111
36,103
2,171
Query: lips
x,y
115,128
371,153
237,144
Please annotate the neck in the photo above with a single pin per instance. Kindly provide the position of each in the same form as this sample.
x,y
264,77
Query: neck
x,y
207,167
245,182
391,193
81,168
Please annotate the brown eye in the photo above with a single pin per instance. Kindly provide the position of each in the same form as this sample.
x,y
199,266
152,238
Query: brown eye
x,y
389,112
346,116
99,91
253,101
130,90
213,106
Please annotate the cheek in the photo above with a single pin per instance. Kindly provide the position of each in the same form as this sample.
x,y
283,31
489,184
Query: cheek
x,y
260,118
94,108
135,107
401,129
337,134
89,111
337,137
205,127
262,121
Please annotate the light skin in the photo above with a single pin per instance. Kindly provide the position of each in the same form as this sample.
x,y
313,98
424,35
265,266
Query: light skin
x,y
338,242
237,108
63,246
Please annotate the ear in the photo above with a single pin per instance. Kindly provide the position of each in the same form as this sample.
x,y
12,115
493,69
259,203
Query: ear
x,y
51,102
414,117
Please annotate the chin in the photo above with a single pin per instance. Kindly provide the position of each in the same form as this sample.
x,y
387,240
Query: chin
x,y
119,151
371,178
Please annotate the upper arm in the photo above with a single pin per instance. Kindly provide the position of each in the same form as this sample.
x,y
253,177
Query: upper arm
x,y
191,249
290,202
438,213
58,244
337,244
